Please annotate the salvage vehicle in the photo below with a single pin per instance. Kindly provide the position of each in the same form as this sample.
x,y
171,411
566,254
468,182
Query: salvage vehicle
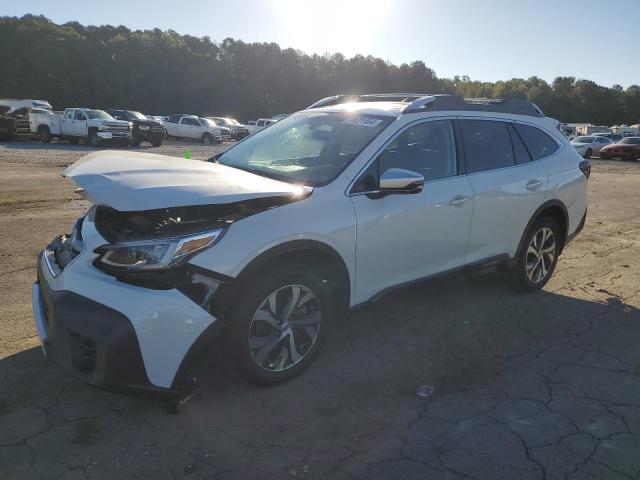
x,y
143,129
238,131
268,245
590,145
75,124
191,126
626,149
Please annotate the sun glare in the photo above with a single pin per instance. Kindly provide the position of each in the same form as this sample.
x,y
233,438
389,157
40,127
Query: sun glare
x,y
345,26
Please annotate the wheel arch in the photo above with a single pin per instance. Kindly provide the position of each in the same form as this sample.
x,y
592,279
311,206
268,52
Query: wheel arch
x,y
311,252
554,209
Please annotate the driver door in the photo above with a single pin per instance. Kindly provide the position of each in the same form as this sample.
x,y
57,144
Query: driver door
x,y
407,236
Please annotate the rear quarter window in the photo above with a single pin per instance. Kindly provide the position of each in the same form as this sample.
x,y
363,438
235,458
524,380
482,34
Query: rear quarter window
x,y
538,143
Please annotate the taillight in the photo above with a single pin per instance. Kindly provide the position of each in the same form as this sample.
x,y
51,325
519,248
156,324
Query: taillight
x,y
585,166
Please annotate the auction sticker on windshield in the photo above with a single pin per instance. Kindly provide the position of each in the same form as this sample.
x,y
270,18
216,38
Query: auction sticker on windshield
x,y
363,121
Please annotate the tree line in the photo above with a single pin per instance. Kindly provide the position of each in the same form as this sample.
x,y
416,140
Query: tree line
x,y
162,72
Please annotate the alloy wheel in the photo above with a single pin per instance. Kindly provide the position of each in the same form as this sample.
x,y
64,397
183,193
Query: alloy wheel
x,y
541,254
284,328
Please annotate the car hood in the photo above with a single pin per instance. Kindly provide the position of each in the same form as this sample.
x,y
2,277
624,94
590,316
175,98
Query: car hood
x,y
623,146
128,181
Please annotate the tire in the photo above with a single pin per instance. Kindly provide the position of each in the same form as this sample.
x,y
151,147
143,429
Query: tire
x,y
156,140
94,141
272,333
534,266
44,134
588,153
207,139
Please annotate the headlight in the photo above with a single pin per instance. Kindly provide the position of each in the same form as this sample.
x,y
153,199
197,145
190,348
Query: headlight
x,y
144,127
103,127
155,254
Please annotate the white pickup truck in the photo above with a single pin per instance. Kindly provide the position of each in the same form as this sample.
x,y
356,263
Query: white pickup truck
x,y
191,126
255,125
80,123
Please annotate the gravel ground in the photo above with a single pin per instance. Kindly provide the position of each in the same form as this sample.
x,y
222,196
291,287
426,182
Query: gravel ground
x,y
62,154
542,386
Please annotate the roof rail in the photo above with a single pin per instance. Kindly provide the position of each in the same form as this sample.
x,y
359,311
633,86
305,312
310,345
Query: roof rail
x,y
457,102
440,102
369,97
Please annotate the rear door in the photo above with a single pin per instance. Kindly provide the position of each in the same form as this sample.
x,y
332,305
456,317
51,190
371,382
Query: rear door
x,y
508,184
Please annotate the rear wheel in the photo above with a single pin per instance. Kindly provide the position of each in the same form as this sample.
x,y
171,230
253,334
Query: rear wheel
x,y
281,324
537,260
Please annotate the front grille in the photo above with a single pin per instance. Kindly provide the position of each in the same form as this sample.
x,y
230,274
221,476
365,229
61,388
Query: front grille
x,y
83,352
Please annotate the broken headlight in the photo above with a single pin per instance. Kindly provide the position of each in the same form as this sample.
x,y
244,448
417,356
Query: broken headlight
x,y
155,254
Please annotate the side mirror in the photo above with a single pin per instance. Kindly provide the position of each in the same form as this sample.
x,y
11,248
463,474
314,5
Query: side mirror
x,y
401,181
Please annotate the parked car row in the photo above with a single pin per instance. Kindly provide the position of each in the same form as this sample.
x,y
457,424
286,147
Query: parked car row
x,y
604,146
119,126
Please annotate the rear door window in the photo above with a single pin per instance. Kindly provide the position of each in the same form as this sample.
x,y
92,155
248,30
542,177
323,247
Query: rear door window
x,y
538,142
487,145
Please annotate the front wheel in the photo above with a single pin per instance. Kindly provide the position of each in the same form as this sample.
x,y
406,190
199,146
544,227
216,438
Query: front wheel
x,y
279,327
156,140
94,141
44,134
207,139
588,153
537,260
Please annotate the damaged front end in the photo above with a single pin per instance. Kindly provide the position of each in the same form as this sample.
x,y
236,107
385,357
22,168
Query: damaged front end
x,y
151,248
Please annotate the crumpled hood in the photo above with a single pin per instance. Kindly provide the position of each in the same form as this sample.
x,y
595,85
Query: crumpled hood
x,y
131,181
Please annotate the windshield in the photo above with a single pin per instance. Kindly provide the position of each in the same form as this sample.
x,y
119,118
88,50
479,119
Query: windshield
x,y
136,116
307,147
208,122
583,140
98,114
630,141
232,121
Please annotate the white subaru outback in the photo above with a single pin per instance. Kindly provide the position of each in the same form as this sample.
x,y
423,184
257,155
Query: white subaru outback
x,y
271,241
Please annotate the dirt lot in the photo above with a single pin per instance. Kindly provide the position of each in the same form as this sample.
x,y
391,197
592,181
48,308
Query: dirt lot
x,y
526,387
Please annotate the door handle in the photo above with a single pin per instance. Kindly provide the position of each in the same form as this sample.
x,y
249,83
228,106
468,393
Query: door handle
x,y
534,184
459,200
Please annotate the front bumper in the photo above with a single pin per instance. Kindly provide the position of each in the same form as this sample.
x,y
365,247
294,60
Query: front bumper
x,y
118,336
117,136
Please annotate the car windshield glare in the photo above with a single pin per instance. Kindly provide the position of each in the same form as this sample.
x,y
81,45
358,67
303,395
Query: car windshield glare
x,y
138,116
584,139
308,147
98,114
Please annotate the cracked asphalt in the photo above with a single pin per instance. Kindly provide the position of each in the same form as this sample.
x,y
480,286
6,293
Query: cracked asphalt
x,y
542,386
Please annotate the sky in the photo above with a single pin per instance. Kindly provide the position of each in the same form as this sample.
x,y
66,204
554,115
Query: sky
x,y
487,40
